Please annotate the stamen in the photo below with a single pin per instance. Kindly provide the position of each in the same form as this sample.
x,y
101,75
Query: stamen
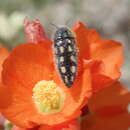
x,y
48,97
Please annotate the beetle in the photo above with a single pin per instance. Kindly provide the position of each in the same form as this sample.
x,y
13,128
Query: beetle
x,y
65,52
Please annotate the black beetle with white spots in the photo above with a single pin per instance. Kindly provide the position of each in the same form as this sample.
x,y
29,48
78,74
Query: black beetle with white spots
x,y
65,51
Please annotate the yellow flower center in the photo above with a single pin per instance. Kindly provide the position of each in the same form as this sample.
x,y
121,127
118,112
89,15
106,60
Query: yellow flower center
x,y
48,97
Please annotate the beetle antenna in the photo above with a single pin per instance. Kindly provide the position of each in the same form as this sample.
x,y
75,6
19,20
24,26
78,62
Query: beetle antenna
x,y
52,24
68,22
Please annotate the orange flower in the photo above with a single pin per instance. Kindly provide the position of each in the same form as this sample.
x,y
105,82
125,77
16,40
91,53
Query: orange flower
x,y
38,96
109,110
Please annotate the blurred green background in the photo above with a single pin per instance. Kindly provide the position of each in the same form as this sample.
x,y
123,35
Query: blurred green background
x,y
110,17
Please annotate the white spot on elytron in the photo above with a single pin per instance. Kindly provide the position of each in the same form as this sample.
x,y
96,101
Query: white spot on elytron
x,y
62,49
68,40
61,59
70,48
59,42
66,79
63,69
73,69
73,58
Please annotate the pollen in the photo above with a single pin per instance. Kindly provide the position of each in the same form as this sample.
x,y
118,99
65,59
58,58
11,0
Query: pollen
x,y
48,97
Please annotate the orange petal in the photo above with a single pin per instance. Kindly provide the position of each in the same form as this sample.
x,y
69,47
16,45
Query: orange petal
x,y
71,125
108,52
99,80
81,37
18,128
3,90
3,55
5,97
109,108
34,31
26,64
111,54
